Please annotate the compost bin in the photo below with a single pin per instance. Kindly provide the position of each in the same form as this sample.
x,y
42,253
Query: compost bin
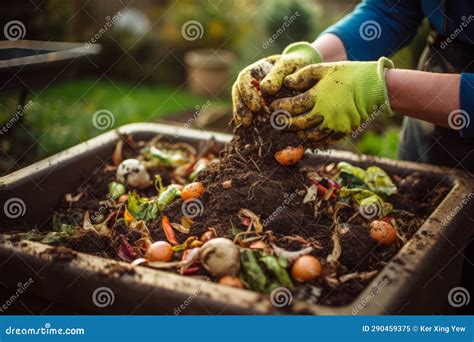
x,y
427,265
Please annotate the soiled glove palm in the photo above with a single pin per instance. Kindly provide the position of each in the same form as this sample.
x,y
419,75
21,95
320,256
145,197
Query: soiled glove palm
x,y
245,96
294,57
271,71
341,95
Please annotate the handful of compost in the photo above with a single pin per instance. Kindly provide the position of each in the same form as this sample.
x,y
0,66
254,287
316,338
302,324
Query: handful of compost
x,y
320,102
258,100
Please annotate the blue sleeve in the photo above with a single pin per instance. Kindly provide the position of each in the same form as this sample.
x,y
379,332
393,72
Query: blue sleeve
x,y
378,28
466,94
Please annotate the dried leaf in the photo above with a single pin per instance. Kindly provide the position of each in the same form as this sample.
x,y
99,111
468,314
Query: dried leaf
x,y
360,276
291,256
117,155
71,199
311,194
254,219
180,228
337,250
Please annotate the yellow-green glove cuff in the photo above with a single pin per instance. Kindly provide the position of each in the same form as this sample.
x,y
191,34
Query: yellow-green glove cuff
x,y
372,95
304,50
383,64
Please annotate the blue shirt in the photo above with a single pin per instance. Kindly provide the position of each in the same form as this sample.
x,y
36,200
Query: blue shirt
x,y
381,27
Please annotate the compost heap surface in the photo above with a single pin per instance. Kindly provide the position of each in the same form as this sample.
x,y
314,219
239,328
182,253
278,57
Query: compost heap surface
x,y
274,213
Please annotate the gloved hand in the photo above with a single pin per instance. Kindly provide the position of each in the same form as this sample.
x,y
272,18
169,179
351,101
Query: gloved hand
x,y
271,71
294,57
341,95
245,96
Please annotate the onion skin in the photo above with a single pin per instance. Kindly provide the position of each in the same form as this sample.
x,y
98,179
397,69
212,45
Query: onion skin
x,y
259,245
290,155
220,257
206,236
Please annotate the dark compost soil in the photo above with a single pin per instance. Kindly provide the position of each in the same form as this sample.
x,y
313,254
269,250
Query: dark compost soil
x,y
248,176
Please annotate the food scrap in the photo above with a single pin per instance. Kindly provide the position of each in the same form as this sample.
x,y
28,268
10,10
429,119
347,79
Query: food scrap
x,y
252,215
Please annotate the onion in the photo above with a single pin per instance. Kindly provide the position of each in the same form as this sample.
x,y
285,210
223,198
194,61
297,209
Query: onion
x,y
159,251
306,269
220,257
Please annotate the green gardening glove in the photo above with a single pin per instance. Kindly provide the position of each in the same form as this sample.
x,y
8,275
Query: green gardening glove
x,y
294,57
341,96
246,98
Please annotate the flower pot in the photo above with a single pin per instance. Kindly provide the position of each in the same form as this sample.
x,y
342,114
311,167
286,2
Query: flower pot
x,y
208,71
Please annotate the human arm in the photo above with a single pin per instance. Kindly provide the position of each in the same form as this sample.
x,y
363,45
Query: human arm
x,y
344,40
338,97
423,95
441,99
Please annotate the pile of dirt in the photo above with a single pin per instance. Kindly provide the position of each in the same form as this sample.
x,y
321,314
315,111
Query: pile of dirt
x,y
247,177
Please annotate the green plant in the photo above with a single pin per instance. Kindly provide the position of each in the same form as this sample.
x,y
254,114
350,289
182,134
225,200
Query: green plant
x,y
383,145
62,115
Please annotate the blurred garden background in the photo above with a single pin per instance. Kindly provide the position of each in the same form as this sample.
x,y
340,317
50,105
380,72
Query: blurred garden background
x,y
161,61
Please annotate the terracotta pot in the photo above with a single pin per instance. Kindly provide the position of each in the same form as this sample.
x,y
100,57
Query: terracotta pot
x,y
208,71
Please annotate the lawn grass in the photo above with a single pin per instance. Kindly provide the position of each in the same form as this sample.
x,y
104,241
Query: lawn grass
x,y
62,115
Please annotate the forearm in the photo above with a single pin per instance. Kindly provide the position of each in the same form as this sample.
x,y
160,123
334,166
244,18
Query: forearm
x,y
330,47
423,95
